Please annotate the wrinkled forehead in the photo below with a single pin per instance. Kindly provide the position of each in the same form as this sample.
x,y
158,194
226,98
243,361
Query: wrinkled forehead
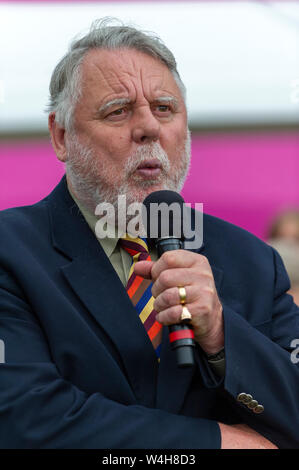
x,y
125,68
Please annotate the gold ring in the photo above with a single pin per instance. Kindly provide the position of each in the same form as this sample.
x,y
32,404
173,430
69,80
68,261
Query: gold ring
x,y
186,315
183,295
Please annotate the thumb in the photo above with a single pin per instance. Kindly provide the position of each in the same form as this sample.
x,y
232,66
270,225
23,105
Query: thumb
x,y
144,268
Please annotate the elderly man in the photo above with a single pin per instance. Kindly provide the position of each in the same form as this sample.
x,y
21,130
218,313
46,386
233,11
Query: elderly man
x,y
82,368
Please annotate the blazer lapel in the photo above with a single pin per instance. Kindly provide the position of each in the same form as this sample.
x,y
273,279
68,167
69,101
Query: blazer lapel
x,y
93,278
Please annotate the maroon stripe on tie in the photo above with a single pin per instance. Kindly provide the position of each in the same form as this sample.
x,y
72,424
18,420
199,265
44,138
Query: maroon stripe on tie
x,y
134,246
131,280
150,320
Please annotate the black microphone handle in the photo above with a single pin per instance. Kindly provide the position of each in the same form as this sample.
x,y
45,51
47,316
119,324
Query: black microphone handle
x,y
181,335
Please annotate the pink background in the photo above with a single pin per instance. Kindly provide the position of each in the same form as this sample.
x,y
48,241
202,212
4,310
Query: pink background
x,y
243,178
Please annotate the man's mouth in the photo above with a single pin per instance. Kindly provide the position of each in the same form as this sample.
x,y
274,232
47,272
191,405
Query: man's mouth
x,y
149,168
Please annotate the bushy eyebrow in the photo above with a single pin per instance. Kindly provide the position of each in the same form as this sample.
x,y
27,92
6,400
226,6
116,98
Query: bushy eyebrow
x,y
167,99
123,101
116,101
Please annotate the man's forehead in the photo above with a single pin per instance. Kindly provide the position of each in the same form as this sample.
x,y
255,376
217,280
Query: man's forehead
x,y
110,64
126,73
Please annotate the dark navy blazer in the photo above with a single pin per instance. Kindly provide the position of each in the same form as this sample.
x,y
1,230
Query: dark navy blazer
x,y
80,370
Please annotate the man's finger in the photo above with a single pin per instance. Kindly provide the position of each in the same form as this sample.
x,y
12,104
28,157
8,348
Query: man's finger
x,y
143,268
176,259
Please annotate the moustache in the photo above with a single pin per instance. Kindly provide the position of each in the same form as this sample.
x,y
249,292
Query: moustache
x,y
152,152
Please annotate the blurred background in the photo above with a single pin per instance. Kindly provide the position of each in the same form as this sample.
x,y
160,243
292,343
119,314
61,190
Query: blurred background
x,y
240,63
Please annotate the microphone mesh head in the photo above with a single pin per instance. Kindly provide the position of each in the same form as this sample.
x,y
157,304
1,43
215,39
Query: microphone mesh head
x,y
162,215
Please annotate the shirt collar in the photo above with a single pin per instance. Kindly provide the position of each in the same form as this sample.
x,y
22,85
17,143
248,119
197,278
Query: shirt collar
x,y
108,244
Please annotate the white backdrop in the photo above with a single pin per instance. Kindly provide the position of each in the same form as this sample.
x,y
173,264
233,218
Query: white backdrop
x,y
239,60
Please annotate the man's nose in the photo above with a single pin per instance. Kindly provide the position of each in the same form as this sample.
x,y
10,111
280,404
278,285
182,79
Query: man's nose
x,y
146,128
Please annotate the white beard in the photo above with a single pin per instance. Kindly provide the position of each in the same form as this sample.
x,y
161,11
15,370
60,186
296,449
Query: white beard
x,y
90,179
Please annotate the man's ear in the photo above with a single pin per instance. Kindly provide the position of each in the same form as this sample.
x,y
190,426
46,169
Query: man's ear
x,y
57,137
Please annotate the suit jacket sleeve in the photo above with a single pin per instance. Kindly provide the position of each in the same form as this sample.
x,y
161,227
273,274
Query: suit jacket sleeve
x,y
259,362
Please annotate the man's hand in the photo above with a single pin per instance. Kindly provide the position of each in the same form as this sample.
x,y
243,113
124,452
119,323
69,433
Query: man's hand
x,y
192,271
240,436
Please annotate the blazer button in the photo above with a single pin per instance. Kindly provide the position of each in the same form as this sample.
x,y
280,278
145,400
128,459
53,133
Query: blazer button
x,y
248,399
252,404
241,397
258,409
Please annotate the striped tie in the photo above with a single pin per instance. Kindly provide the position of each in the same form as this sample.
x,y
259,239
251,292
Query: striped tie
x,y
140,290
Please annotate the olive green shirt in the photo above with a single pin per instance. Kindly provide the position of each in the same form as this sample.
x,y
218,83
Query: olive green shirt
x,y
119,258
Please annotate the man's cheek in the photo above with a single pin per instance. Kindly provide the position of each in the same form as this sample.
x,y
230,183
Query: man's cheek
x,y
177,140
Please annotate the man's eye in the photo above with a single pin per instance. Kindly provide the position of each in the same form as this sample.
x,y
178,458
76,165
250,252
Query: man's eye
x,y
117,112
163,108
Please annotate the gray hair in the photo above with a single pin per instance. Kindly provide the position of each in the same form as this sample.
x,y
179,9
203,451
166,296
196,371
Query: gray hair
x,y
65,81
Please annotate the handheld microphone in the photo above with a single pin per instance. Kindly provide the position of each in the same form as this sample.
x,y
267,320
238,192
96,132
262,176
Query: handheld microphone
x,y
163,221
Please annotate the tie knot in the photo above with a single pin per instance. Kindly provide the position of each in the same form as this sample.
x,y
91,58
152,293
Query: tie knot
x,y
135,246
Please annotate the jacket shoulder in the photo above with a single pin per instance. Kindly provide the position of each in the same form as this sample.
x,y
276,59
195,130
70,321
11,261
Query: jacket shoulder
x,y
217,227
22,214
23,226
